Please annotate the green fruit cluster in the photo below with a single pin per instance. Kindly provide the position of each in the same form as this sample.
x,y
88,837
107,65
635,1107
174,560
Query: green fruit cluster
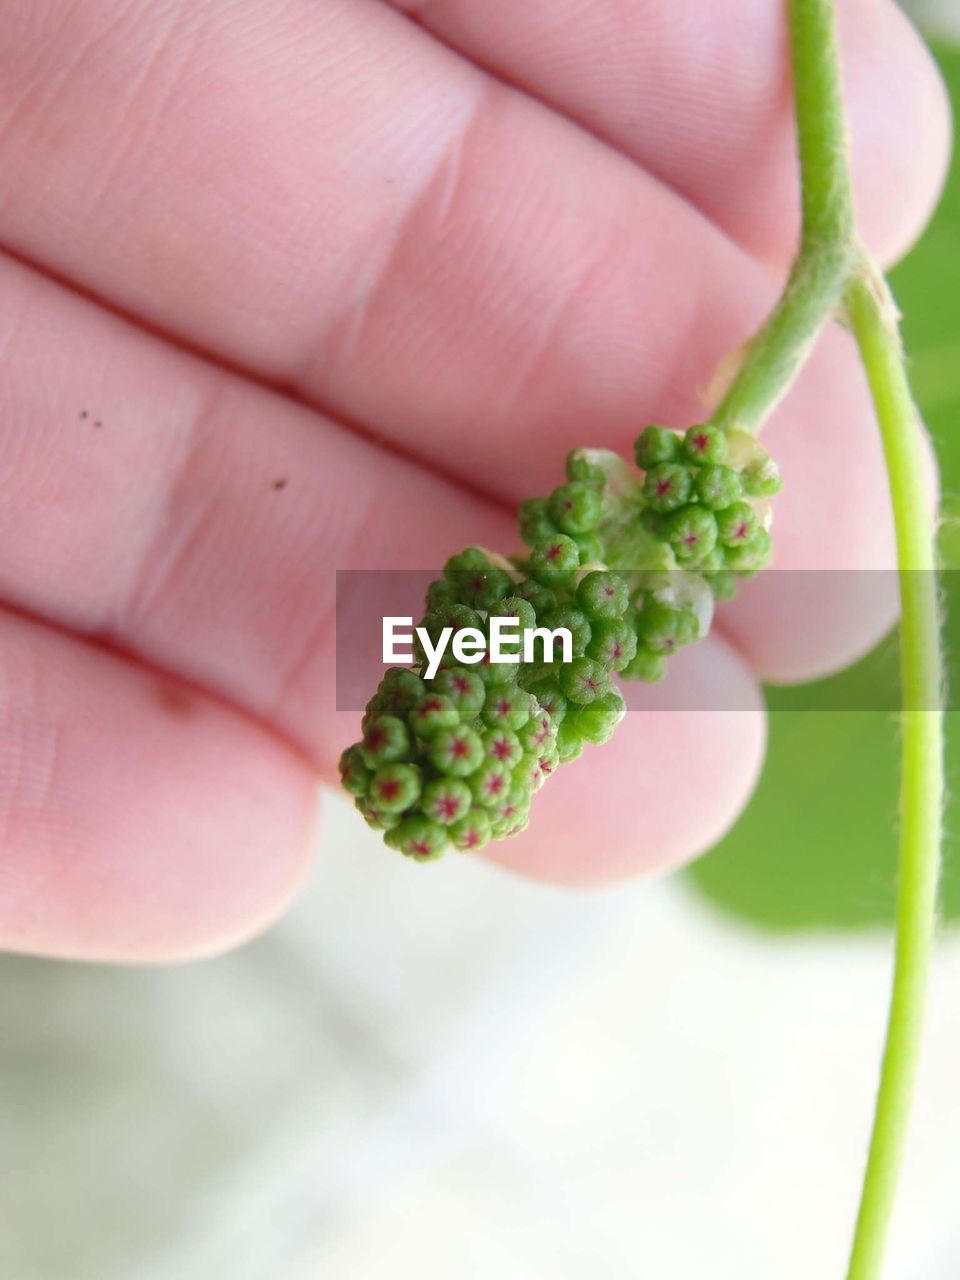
x,y
629,561
703,505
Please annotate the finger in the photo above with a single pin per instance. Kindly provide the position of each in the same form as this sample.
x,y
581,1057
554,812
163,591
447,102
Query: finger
x,y
132,516
435,257
164,530
682,765
192,518
141,820
521,293
698,94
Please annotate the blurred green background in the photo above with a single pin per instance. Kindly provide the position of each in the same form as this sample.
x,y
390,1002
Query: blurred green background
x,y
816,847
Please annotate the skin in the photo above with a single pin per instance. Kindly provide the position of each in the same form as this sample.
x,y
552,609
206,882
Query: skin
x,y
400,261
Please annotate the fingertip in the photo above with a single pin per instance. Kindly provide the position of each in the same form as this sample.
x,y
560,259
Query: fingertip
x,y
143,821
236,861
900,124
241,918
680,768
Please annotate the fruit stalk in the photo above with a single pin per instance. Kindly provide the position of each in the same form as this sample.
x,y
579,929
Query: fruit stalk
x,y
832,268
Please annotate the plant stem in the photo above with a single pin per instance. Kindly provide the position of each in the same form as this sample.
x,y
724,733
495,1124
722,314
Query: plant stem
x,y
826,198
831,268
829,250
778,352
921,780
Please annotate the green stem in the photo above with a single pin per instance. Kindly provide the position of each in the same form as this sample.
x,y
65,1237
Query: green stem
x,y
776,355
921,781
826,197
829,251
831,268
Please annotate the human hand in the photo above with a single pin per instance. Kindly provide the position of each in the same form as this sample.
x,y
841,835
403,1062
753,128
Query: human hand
x,y
292,288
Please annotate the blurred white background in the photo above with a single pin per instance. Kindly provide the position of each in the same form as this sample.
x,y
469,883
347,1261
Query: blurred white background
x,y
441,1070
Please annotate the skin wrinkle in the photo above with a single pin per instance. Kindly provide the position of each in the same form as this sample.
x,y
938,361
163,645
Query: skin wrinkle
x,y
30,783
21,900
33,86
342,336
535,364
161,556
9,334
416,10
158,64
294,672
316,640
449,170
29,786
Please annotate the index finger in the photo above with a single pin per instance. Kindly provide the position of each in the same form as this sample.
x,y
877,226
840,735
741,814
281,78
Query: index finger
x,y
431,254
698,94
